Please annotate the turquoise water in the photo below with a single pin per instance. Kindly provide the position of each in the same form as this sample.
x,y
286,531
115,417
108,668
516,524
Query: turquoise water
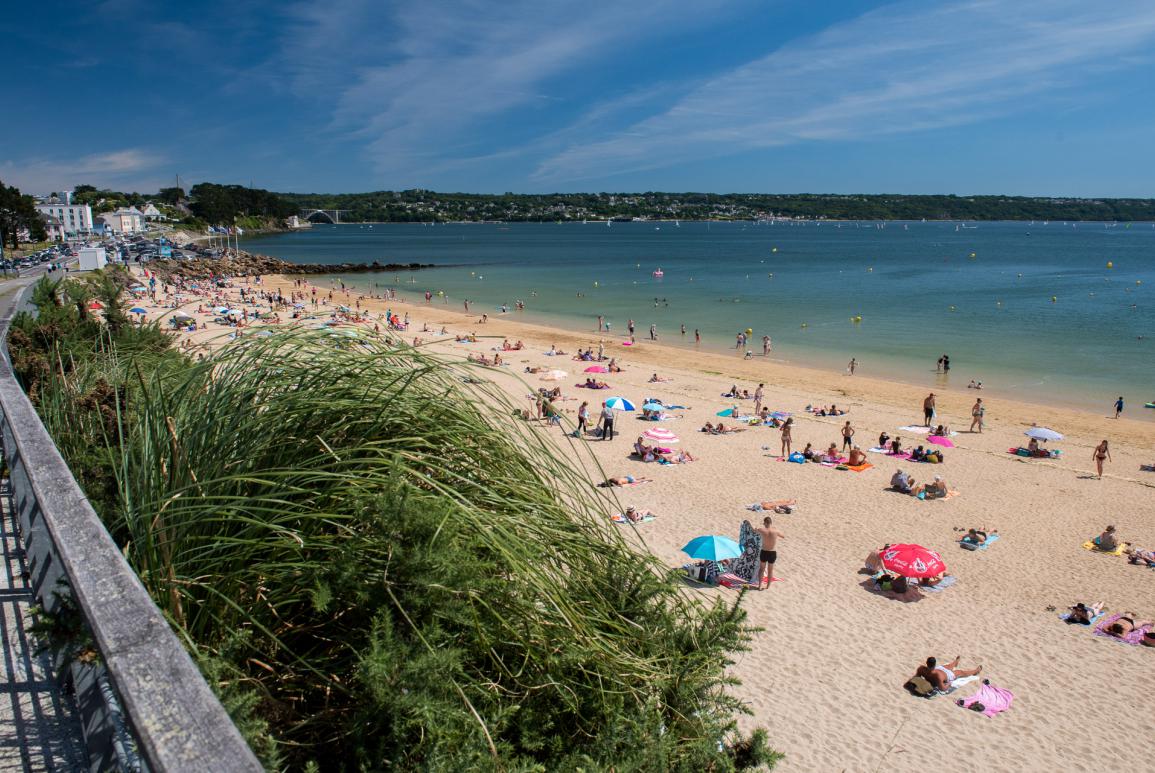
x,y
982,294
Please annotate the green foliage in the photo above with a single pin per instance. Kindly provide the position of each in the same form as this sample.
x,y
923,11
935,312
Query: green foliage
x,y
172,196
426,206
222,204
18,213
381,568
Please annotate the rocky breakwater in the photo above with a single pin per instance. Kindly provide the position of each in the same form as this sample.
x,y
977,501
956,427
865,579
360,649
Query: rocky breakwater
x,y
246,264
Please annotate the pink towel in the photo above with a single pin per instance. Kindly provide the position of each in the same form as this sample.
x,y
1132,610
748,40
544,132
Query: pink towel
x,y
994,699
1133,638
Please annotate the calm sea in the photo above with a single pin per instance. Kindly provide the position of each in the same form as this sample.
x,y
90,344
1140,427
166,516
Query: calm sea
x,y
1031,310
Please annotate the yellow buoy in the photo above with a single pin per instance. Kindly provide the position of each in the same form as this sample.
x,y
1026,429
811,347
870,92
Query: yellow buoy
x,y
1110,264
774,249
869,269
972,254
595,284
804,324
749,331
952,308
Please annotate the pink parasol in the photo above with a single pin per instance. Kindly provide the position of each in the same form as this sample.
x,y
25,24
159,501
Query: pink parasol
x,y
912,561
939,440
661,435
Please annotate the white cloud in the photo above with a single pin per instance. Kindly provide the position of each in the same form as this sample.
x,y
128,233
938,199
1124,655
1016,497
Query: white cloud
x,y
418,82
131,168
902,68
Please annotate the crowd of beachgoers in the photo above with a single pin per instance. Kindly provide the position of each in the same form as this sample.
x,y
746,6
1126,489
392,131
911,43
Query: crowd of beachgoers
x,y
858,472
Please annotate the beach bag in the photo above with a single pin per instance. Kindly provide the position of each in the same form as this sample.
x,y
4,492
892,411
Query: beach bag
x,y
797,457
920,686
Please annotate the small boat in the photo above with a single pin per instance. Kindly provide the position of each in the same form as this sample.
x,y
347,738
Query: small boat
x,y
658,274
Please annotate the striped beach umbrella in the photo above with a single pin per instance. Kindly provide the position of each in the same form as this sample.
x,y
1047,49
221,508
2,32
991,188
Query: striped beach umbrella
x,y
619,404
660,434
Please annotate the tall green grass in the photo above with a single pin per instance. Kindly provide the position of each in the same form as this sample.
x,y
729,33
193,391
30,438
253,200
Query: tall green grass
x,y
383,568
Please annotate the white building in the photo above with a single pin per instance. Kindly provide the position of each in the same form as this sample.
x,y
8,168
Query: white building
x,y
74,219
150,212
124,220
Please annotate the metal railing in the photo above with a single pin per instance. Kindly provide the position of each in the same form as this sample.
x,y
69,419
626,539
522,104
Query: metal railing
x,y
144,704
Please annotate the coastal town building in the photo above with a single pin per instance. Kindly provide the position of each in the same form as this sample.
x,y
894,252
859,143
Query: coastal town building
x,y
126,220
71,219
150,212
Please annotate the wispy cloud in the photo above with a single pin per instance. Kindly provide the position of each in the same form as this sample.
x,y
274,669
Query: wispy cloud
x,y
420,82
903,68
132,167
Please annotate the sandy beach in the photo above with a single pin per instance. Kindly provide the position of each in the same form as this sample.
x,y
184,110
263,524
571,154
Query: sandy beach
x,y
825,674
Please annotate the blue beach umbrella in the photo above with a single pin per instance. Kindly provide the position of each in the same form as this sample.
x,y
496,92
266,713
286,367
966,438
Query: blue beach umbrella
x,y
653,407
619,404
137,310
712,548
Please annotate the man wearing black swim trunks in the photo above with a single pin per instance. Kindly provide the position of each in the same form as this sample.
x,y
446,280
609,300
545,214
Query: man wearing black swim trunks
x,y
768,555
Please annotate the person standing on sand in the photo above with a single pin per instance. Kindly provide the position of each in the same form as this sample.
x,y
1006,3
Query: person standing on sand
x,y
653,332
769,553
630,327
583,419
786,428
758,395
978,411
607,421
1118,406
847,435
601,350
1101,452
851,366
928,409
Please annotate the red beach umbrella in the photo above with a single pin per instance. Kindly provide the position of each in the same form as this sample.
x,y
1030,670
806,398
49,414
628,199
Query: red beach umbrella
x,y
95,306
938,440
912,561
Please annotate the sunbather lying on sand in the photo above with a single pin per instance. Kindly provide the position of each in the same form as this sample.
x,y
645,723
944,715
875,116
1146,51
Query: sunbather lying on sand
x,y
1081,614
1125,625
656,379
627,480
940,676
777,505
893,583
977,536
1138,556
932,581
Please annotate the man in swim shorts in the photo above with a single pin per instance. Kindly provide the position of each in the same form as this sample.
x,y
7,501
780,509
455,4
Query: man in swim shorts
x,y
769,554
928,408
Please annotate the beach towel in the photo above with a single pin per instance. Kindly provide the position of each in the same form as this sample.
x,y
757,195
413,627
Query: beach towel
x,y
915,428
860,467
994,700
877,450
1066,618
943,584
731,580
757,507
1133,638
1090,545
619,518
991,538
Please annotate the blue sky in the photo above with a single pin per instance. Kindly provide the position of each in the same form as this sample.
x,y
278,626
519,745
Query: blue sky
x,y
1029,97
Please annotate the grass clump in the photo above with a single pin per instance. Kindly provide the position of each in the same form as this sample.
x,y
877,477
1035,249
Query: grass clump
x,y
380,568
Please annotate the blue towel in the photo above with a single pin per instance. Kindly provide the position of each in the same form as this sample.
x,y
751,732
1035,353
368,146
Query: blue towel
x,y
1065,617
943,584
971,546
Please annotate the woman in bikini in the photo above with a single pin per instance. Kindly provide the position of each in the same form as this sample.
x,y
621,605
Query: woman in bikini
x,y
1101,453
1126,625
1081,614
786,436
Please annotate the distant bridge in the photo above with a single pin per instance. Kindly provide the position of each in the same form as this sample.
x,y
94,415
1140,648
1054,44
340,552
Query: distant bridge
x,y
323,215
